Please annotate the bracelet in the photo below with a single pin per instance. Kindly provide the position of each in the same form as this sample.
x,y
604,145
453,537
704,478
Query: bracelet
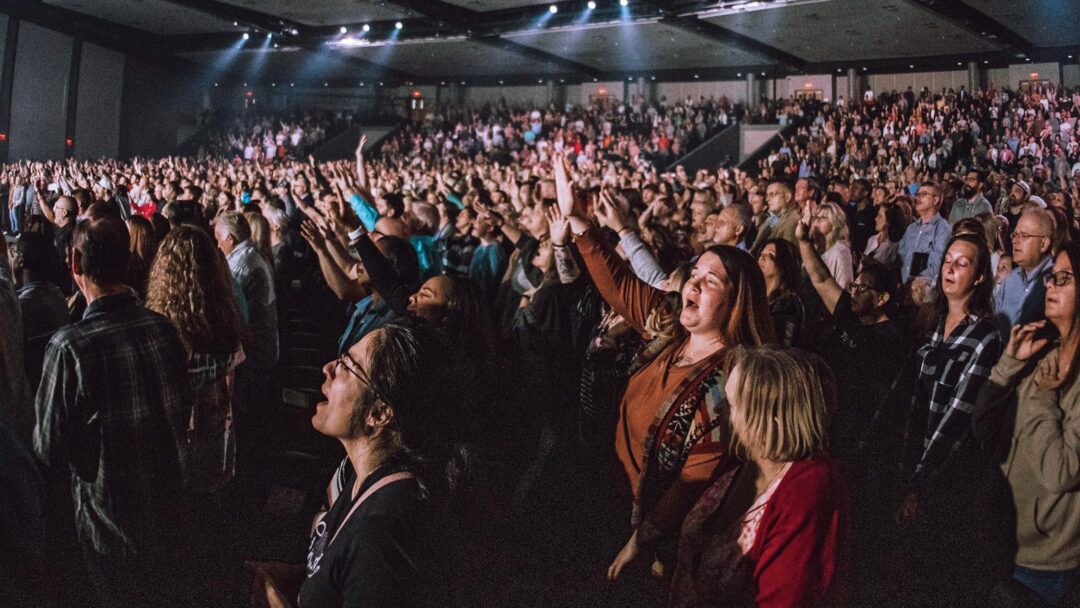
x,y
359,232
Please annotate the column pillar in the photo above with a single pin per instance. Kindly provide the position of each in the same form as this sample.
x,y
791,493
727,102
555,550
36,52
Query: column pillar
x,y
7,74
549,87
853,92
753,94
974,82
832,89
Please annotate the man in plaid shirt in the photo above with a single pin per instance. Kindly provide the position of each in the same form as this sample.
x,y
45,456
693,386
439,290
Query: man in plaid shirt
x,y
112,406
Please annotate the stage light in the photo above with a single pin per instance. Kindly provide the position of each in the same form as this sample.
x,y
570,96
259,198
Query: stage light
x,y
624,2
246,35
553,9
398,25
275,45
367,28
235,23
592,5
269,35
344,30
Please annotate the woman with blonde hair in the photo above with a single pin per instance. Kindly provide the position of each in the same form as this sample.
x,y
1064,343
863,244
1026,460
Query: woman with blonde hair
x,y
260,235
770,532
190,285
831,239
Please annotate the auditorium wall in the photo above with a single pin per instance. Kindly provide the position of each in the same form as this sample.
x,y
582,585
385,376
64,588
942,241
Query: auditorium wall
x,y
160,109
97,113
39,94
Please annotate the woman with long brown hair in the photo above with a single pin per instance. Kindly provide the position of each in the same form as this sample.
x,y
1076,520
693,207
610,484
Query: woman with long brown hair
x,y
672,432
191,286
143,247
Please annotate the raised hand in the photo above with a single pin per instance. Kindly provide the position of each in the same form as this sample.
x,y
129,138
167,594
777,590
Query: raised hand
x,y
1024,342
360,146
558,226
802,231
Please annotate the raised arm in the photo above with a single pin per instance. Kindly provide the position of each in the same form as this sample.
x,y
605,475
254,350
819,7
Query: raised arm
x,y
825,285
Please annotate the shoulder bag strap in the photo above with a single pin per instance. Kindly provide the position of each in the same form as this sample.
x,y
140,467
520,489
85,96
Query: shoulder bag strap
x,y
375,487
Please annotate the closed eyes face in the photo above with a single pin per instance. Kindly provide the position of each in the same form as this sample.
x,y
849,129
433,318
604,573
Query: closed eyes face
x,y
706,295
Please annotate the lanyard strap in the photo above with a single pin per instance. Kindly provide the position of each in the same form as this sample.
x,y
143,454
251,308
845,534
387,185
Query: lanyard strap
x,y
375,487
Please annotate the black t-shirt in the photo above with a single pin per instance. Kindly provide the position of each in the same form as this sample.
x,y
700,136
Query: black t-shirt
x,y
865,360
379,557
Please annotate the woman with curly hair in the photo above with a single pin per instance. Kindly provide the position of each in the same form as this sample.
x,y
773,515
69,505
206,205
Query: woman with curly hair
x,y
191,286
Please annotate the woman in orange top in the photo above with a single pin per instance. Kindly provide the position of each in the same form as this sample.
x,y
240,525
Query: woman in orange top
x,y
672,432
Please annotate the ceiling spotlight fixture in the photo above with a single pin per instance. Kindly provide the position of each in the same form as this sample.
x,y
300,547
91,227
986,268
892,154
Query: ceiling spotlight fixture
x,y
246,35
541,81
739,75
624,2
500,82
292,84
398,25
697,76
235,23
553,9
326,84
275,45
864,68
269,35
215,84
367,28
591,5
294,32
273,84
344,30
652,77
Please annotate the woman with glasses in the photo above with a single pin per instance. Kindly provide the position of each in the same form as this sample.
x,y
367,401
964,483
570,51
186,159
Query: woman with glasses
x,y
1032,407
398,405
939,392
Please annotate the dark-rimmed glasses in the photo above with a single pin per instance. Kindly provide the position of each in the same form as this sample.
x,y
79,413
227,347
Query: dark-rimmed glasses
x,y
1060,278
349,364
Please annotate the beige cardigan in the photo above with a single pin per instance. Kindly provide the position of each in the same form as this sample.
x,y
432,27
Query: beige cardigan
x,y
1043,463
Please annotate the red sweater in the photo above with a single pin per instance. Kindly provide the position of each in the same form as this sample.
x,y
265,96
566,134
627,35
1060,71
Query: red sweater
x,y
798,558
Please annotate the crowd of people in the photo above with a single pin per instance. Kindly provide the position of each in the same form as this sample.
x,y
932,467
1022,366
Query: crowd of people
x,y
846,377
656,133
261,136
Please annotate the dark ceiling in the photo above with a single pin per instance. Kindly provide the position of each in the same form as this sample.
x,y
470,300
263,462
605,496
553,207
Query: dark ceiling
x,y
519,41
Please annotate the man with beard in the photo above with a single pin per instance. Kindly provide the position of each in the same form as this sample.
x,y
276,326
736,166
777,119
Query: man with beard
x,y
971,201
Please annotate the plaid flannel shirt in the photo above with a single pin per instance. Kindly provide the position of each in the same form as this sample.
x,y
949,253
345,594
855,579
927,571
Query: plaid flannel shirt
x,y
113,406
952,371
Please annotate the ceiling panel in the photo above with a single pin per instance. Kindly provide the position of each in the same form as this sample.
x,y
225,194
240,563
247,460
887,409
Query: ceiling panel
x,y
638,46
494,5
1041,22
452,58
326,12
281,66
855,29
156,16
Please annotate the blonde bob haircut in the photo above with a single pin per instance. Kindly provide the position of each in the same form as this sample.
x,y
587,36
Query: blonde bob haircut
x,y
785,398
838,224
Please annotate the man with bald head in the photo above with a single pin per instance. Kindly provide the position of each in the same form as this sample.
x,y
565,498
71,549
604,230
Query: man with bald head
x,y
1020,298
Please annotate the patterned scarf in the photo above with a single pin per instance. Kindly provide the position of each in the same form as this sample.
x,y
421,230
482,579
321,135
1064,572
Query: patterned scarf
x,y
692,420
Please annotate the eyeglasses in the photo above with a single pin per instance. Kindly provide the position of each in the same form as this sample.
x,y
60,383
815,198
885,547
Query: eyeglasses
x,y
1060,278
858,288
1027,235
341,362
